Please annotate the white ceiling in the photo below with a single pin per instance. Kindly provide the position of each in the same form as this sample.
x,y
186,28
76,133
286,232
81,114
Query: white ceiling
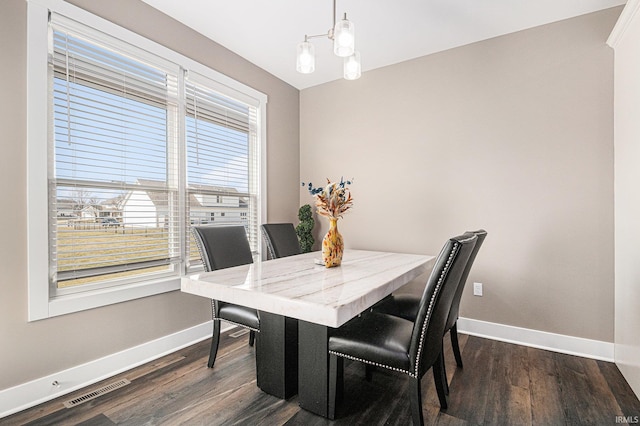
x,y
387,32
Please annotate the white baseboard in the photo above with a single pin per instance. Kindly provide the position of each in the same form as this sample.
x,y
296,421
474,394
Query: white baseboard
x,y
587,348
37,391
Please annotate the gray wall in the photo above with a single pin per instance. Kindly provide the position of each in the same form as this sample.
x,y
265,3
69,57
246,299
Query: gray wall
x,y
627,207
512,134
33,350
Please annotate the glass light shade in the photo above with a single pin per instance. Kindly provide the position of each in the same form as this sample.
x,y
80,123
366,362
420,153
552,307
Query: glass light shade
x,y
344,38
352,67
305,60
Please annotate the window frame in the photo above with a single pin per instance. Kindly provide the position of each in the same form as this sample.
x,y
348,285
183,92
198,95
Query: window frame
x,y
42,300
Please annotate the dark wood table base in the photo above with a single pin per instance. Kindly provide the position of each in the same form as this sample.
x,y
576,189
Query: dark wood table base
x,y
292,358
313,367
277,355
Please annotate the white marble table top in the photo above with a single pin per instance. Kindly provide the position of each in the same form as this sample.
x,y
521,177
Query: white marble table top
x,y
299,288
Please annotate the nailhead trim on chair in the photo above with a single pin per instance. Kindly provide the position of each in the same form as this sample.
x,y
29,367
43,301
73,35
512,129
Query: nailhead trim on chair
x,y
196,237
240,325
372,363
431,303
272,251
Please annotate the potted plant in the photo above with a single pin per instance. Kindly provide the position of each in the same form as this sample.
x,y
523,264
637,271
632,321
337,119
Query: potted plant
x,y
304,228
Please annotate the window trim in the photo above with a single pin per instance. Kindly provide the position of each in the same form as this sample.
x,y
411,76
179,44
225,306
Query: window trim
x,y
41,303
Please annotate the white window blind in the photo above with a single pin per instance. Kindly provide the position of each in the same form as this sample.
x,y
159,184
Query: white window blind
x,y
222,159
114,188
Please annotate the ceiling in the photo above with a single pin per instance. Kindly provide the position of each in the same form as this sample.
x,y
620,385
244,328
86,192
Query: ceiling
x,y
387,32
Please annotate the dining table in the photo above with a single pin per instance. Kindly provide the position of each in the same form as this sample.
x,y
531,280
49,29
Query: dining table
x,y
300,301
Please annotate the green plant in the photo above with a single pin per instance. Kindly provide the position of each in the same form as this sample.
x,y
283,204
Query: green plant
x,y
304,228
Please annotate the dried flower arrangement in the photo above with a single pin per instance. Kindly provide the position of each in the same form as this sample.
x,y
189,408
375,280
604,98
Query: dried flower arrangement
x,y
333,200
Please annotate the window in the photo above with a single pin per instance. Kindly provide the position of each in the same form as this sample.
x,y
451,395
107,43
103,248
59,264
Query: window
x,y
140,144
222,159
111,152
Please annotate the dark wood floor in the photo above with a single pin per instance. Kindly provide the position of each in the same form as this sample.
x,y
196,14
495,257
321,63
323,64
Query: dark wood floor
x,y
500,384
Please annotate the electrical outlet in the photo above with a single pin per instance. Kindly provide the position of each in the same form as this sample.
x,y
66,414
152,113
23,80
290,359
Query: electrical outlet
x,y
477,289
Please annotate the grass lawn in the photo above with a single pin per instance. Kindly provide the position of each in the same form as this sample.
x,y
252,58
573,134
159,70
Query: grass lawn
x,y
99,246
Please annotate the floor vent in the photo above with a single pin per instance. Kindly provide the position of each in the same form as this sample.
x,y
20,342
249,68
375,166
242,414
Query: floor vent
x,y
239,333
96,393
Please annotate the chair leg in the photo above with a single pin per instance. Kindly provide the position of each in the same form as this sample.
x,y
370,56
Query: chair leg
x,y
336,383
252,337
454,344
215,340
437,377
444,374
415,395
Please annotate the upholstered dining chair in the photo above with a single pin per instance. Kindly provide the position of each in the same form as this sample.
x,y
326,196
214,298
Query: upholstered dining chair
x,y
406,305
407,347
224,247
281,239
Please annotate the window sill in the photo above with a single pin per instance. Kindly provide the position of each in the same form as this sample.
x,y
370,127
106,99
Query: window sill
x,y
70,303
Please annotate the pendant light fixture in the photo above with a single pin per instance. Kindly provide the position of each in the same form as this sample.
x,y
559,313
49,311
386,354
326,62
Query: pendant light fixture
x,y
343,36
306,59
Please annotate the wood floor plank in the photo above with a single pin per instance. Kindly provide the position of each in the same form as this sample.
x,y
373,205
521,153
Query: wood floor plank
x,y
400,414
60,418
518,365
468,388
444,419
305,418
546,406
508,403
606,408
627,401
99,420
228,380
586,396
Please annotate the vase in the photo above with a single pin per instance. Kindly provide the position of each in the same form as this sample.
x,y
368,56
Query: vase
x,y
332,245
